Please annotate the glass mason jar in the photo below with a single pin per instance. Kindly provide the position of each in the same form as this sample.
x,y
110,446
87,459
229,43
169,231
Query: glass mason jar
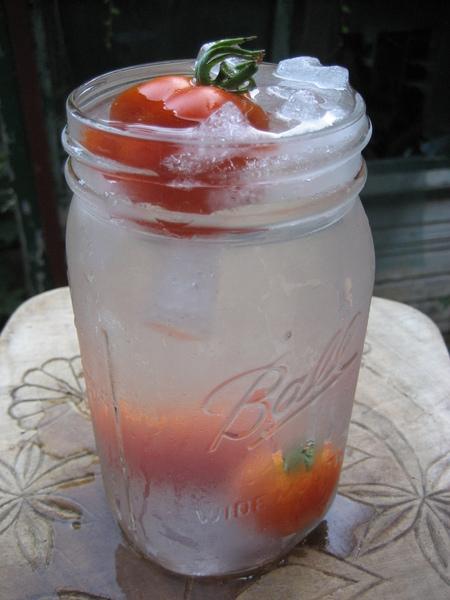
x,y
221,289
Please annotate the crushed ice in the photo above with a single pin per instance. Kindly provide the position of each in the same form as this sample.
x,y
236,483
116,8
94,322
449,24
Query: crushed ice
x,y
214,139
302,96
227,124
311,96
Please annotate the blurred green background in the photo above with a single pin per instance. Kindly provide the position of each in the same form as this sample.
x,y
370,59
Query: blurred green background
x,y
398,54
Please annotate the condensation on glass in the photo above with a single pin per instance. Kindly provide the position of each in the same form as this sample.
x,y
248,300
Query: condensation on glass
x,y
221,349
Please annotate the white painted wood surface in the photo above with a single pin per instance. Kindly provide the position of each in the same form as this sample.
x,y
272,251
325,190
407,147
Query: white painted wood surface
x,y
386,536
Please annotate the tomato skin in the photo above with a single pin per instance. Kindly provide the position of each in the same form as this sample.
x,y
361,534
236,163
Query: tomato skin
x,y
146,102
172,448
175,101
167,101
197,103
289,501
130,151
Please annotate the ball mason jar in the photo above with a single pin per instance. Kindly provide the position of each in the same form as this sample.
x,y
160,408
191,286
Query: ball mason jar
x,y
221,297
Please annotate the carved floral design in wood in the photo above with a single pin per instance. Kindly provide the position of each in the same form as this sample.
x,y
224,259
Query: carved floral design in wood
x,y
381,471
31,497
304,570
406,497
50,405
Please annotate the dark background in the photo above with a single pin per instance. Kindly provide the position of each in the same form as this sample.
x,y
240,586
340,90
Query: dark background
x,y
398,54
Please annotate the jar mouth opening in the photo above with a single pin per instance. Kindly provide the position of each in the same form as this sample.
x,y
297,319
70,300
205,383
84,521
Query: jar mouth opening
x,y
83,101
257,178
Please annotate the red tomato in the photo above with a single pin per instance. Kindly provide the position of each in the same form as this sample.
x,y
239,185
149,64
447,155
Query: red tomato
x,y
173,448
175,101
197,103
167,101
289,501
145,102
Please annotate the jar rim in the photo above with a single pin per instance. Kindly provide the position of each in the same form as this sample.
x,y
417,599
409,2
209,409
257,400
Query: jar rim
x,y
201,183
82,98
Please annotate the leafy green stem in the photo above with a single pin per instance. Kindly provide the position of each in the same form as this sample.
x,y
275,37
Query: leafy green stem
x,y
302,456
237,66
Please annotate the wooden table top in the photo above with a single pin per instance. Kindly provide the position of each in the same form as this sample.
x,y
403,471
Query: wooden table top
x,y
387,534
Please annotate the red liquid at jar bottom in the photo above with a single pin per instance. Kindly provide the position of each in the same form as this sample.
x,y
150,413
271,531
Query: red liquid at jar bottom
x,y
203,512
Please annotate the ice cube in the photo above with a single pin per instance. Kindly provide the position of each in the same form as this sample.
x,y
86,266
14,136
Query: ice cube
x,y
281,91
306,69
214,139
314,96
302,105
341,102
185,299
225,124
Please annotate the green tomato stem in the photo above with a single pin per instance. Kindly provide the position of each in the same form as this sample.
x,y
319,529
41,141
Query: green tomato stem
x,y
299,457
237,66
